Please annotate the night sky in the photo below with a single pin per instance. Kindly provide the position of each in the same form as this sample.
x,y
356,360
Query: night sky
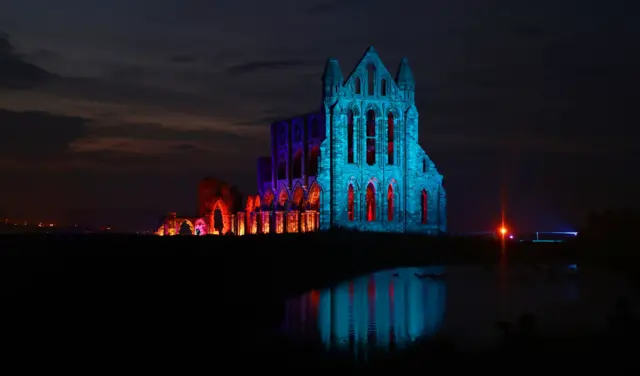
x,y
111,111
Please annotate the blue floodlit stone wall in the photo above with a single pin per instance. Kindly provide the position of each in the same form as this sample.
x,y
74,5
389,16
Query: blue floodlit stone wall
x,y
298,141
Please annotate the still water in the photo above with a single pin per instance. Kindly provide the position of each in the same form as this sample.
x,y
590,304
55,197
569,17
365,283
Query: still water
x,y
395,307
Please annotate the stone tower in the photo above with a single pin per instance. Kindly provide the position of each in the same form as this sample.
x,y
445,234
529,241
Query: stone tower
x,y
373,174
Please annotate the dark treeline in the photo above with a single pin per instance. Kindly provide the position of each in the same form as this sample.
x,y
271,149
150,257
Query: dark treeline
x,y
145,298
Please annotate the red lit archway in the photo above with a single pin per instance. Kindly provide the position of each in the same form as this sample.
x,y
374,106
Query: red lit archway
x,y
268,200
424,206
371,202
283,197
314,196
298,198
221,221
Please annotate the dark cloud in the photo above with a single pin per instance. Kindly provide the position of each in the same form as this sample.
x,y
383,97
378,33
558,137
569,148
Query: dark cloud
x,y
36,135
328,6
255,66
158,132
185,147
182,59
15,73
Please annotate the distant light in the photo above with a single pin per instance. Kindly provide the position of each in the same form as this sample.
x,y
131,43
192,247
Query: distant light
x,y
510,236
503,230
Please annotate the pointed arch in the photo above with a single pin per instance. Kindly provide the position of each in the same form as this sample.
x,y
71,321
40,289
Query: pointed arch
x,y
221,223
315,195
376,109
185,227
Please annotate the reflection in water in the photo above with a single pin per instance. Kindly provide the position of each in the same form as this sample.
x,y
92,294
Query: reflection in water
x,y
392,308
389,308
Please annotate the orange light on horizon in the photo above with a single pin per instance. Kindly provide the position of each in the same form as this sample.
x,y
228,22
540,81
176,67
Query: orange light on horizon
x,y
503,231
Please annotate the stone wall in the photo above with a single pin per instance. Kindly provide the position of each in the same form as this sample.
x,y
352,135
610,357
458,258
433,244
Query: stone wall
x,y
403,172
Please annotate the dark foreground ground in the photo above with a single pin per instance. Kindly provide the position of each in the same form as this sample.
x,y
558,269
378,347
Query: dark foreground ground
x,y
161,302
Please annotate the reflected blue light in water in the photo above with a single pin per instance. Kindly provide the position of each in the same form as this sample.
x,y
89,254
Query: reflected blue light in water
x,y
390,307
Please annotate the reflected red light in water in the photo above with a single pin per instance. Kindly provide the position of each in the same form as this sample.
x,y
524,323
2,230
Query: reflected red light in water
x,y
314,296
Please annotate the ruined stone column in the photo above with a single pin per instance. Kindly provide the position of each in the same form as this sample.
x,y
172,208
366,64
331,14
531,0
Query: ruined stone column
x,y
241,223
279,222
233,224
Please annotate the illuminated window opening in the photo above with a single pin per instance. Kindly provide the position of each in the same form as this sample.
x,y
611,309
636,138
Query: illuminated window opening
x,y
371,203
351,203
424,207
297,165
390,138
350,136
371,79
371,137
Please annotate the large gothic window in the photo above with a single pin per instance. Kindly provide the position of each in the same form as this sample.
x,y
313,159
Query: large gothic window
x,y
350,135
371,203
297,164
314,154
371,79
282,167
351,203
424,206
390,203
371,137
390,138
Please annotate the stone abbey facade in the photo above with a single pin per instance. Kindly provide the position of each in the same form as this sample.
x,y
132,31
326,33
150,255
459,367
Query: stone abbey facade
x,y
354,164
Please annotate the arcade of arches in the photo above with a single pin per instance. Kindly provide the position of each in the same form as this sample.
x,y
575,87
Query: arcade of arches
x,y
290,211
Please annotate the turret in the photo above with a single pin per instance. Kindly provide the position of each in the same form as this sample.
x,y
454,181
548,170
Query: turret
x,y
404,78
332,78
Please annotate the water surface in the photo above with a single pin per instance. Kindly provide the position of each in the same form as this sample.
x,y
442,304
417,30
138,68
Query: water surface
x,y
394,307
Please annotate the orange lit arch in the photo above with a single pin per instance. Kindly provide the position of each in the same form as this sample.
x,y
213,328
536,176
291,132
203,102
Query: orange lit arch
x,y
226,226
180,222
